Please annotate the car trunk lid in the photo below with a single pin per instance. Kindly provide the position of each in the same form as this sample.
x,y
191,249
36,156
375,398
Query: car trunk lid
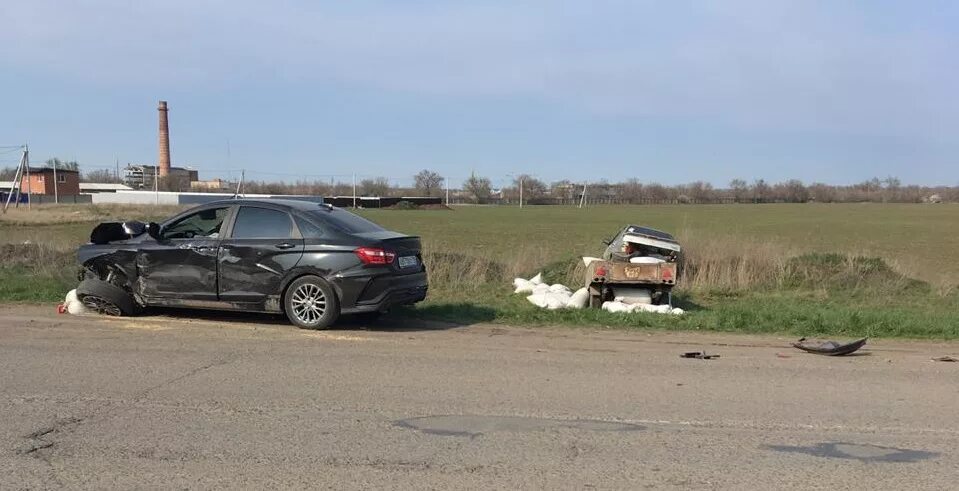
x,y
408,249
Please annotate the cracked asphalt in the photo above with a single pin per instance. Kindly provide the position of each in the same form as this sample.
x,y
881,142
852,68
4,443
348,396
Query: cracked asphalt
x,y
173,401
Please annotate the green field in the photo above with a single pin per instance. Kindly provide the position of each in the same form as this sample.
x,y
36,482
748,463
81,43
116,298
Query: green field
x,y
843,269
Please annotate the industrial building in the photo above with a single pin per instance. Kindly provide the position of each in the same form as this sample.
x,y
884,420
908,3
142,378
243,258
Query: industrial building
x,y
143,176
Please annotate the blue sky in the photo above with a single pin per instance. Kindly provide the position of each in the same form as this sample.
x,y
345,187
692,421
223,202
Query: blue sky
x,y
832,91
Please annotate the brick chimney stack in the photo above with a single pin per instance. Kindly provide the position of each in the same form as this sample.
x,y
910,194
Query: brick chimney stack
x,y
164,161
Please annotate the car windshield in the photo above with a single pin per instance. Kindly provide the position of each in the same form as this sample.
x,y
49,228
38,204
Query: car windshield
x,y
345,221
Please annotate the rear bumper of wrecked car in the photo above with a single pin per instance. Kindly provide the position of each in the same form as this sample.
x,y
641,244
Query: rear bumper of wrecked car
x,y
381,293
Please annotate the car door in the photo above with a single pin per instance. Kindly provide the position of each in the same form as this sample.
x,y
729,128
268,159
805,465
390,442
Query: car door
x,y
182,263
262,246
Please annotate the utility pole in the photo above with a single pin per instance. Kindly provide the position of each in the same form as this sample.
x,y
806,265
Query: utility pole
x,y
26,165
521,192
16,185
582,199
239,185
56,184
354,190
447,192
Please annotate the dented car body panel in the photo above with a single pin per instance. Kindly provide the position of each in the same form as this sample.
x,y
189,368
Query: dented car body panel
x,y
205,259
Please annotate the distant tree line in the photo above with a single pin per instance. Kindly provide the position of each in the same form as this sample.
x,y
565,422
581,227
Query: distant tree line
x,y
480,190
96,175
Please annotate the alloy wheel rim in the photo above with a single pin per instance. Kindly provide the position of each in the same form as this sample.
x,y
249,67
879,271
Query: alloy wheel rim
x,y
309,303
101,305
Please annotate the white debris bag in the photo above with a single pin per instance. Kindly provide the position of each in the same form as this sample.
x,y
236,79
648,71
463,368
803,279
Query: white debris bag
x,y
578,300
523,286
532,285
549,300
632,295
73,304
557,288
557,296
620,307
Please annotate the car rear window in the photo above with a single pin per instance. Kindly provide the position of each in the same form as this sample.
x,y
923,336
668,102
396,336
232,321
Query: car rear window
x,y
308,229
346,221
262,223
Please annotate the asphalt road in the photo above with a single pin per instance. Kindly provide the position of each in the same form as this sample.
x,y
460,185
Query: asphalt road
x,y
174,402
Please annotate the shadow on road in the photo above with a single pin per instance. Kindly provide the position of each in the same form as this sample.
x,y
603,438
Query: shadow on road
x,y
403,320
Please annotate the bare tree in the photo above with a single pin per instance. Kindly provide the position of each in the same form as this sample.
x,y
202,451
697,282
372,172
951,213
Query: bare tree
x,y
533,189
740,190
700,192
8,173
99,175
760,191
63,164
379,186
479,188
428,182
630,191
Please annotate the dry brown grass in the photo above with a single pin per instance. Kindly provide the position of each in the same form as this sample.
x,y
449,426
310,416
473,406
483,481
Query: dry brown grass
x,y
728,264
66,214
41,259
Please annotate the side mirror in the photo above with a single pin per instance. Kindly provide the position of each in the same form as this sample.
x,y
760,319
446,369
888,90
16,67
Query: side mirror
x,y
154,230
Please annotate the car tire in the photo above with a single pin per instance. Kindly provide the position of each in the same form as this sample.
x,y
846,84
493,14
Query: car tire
x,y
105,298
311,303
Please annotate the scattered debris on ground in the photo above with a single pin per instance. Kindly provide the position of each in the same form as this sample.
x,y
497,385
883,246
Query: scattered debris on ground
x,y
830,348
550,297
698,355
72,305
558,296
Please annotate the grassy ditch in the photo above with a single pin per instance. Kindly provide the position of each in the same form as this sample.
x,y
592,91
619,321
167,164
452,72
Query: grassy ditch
x,y
806,294
760,279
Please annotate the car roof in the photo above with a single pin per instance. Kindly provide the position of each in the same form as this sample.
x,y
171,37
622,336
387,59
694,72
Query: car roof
x,y
648,232
289,203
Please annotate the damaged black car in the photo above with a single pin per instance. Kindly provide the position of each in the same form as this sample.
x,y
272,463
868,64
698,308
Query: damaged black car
x,y
309,261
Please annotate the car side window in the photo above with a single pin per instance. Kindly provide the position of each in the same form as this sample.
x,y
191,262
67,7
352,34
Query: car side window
x,y
262,223
308,229
204,223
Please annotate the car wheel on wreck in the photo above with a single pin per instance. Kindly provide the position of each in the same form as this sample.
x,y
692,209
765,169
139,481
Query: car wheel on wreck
x,y
105,298
311,303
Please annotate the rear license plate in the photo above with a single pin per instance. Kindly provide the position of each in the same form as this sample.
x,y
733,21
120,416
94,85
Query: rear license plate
x,y
408,261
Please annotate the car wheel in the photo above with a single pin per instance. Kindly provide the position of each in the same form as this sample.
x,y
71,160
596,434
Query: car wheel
x,y
310,303
105,298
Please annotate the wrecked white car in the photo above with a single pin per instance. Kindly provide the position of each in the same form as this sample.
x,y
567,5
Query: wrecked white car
x,y
640,266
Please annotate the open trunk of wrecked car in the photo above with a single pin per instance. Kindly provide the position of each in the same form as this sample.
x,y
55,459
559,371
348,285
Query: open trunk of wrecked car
x,y
640,265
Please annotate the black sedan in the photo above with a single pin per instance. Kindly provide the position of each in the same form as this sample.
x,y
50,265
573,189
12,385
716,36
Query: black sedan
x,y
308,260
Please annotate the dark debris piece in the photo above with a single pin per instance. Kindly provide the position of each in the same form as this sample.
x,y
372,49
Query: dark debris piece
x,y
829,348
699,355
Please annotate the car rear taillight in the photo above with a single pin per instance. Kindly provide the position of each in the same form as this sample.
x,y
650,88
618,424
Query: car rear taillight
x,y
374,255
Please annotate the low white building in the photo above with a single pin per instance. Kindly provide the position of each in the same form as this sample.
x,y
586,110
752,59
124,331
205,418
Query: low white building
x,y
178,198
102,187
